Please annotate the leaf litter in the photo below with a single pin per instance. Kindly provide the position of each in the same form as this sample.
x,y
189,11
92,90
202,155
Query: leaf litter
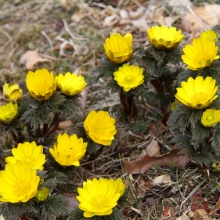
x,y
71,36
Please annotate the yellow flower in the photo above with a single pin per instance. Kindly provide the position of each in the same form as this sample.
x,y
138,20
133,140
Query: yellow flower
x,y
120,186
198,93
29,153
174,104
129,76
18,183
68,150
12,92
216,166
202,53
209,34
42,194
210,117
100,127
164,37
118,48
98,197
8,112
41,84
70,84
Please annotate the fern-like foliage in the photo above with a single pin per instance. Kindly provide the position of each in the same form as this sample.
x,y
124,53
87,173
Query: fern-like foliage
x,y
216,103
54,206
212,71
184,75
49,183
72,106
12,211
215,140
183,117
200,132
60,176
40,112
199,151
106,68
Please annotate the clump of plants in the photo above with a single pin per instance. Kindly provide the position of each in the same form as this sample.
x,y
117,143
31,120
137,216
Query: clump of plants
x,y
39,160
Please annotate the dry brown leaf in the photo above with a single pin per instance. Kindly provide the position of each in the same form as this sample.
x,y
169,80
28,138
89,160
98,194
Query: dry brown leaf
x,y
173,158
157,16
157,128
64,3
1,217
140,24
169,211
134,15
31,58
63,46
123,14
201,18
200,214
217,207
111,20
152,149
163,179
183,217
78,16
142,189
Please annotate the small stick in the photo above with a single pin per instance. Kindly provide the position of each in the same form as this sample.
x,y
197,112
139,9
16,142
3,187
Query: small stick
x,y
193,191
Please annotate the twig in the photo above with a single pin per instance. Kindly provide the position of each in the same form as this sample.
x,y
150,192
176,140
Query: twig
x,y
48,39
201,23
193,191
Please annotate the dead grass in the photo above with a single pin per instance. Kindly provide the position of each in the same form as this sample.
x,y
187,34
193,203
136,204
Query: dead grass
x,y
46,25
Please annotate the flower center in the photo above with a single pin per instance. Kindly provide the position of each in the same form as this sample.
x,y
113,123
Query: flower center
x,y
99,202
8,115
30,161
42,89
129,79
200,99
201,59
21,188
97,129
209,118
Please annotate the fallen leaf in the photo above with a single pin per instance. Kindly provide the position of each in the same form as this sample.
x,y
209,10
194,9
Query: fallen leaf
x,y
7,65
158,16
163,179
198,202
63,46
123,14
142,189
152,149
134,15
78,16
200,214
64,3
217,207
140,24
171,159
1,217
183,217
32,57
111,20
157,128
201,18
169,211
179,3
